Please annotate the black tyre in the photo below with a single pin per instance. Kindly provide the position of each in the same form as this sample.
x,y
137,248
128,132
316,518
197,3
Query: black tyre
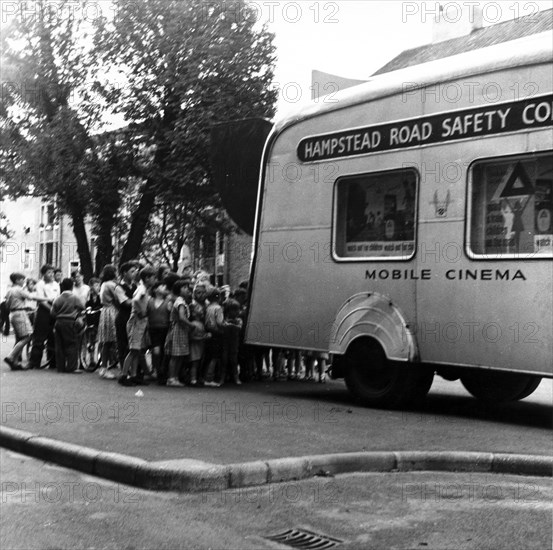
x,y
499,387
378,382
87,353
530,388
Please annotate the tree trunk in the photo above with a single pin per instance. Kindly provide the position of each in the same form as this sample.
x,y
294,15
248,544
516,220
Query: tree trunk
x,y
83,249
131,248
141,216
104,246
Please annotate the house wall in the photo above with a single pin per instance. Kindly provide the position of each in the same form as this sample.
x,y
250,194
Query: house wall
x,y
35,240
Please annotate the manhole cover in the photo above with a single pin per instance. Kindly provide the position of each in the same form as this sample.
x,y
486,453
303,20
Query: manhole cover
x,y
301,538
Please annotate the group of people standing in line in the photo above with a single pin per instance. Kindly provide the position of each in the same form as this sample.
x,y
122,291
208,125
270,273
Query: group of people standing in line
x,y
193,331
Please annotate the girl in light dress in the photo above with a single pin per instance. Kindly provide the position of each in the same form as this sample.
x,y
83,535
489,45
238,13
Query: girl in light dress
x,y
137,328
177,345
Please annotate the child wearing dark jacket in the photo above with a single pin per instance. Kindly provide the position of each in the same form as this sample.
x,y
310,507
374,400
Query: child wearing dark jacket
x,y
231,341
65,310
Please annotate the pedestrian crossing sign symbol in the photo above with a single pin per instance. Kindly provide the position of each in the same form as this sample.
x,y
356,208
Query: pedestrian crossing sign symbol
x,y
515,184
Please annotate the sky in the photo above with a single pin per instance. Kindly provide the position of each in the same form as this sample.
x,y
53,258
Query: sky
x,y
348,38
354,38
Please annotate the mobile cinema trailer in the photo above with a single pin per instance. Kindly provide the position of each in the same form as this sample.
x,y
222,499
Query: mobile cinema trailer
x,y
405,226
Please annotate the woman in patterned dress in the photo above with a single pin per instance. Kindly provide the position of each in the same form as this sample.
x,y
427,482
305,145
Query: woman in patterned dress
x,y
107,336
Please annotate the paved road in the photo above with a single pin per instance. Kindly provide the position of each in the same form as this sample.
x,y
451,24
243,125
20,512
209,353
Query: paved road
x,y
46,506
263,420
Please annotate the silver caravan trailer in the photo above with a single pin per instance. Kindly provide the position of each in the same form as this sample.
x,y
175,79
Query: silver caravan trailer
x,y
405,226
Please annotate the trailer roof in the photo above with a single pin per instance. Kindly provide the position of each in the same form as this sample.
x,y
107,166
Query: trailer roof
x,y
527,51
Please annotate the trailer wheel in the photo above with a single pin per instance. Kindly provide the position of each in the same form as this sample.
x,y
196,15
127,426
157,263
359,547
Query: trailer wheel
x,y
498,387
378,382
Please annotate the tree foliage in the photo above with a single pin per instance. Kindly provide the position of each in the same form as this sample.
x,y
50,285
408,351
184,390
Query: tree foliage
x,y
44,138
183,67
172,69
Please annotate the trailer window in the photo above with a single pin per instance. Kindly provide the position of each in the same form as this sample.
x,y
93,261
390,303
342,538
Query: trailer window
x,y
375,216
511,207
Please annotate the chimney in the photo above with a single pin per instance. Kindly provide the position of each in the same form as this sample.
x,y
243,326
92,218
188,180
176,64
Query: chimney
x,y
455,19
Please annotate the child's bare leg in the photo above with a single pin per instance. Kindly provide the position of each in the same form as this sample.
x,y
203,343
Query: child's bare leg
x,y
174,367
308,367
156,359
137,358
174,364
210,371
126,365
194,372
321,365
17,350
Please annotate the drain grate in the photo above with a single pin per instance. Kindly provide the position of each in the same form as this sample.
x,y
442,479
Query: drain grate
x,y
300,538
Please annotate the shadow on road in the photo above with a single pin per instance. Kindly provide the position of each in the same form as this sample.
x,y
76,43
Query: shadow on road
x,y
521,413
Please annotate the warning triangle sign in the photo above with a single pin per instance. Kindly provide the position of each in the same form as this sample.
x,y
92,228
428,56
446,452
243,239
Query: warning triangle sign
x,y
515,184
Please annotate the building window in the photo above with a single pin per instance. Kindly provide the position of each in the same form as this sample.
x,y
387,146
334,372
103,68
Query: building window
x,y
48,214
511,207
375,216
27,260
49,253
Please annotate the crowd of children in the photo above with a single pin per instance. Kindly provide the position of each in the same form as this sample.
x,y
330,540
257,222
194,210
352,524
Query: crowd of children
x,y
191,332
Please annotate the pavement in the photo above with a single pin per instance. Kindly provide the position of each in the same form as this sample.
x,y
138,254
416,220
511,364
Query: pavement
x,y
47,506
202,439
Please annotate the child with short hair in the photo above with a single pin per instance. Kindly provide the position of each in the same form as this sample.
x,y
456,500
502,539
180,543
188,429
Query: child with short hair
x,y
137,328
214,323
159,313
17,300
65,310
198,336
30,304
231,341
93,308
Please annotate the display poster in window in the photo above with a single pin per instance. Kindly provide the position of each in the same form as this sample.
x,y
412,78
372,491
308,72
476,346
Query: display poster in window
x,y
518,208
379,215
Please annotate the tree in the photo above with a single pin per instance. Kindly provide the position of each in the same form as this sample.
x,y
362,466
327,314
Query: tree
x,y
115,172
184,66
46,113
183,221
5,232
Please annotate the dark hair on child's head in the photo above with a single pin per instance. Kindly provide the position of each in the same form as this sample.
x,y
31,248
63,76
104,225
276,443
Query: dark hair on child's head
x,y
146,272
94,281
178,286
127,266
109,273
240,293
162,270
45,268
14,277
156,285
170,279
213,295
232,308
66,284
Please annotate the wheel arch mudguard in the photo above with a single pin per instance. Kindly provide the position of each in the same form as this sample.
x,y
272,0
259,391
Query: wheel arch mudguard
x,y
374,315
